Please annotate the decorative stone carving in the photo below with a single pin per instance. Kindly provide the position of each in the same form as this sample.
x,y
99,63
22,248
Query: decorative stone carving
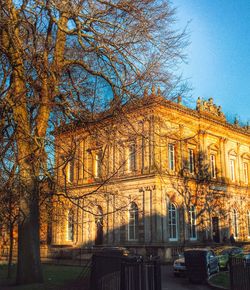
x,y
179,100
209,107
153,91
158,92
236,122
247,127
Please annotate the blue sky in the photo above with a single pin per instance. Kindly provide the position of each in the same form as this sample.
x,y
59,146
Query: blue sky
x,y
219,54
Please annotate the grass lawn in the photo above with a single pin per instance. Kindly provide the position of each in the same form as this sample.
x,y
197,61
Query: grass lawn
x,y
54,277
221,279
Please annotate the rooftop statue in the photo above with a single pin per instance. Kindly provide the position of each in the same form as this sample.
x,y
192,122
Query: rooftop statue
x,y
209,107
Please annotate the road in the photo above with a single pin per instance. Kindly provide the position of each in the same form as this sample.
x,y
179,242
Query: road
x,y
170,282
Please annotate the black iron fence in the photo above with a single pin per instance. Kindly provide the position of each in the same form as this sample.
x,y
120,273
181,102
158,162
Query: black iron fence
x,y
124,273
239,271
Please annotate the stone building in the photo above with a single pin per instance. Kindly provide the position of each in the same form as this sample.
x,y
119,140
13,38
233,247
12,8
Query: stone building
x,y
156,176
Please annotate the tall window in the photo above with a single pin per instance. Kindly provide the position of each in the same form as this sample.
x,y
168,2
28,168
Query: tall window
x,y
133,222
98,164
235,223
70,226
71,171
248,223
213,165
232,169
171,157
191,160
245,172
192,227
131,158
172,222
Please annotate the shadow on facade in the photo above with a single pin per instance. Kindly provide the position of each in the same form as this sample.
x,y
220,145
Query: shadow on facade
x,y
154,235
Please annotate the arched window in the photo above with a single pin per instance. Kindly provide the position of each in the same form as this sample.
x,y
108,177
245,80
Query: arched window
x,y
235,223
70,226
192,225
172,222
248,223
133,222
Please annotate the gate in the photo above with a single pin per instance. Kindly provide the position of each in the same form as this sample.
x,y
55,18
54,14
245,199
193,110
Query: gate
x,y
239,272
124,273
140,275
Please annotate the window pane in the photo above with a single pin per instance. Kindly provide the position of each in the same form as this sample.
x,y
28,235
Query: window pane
x,y
232,170
191,160
245,172
133,222
192,217
172,221
70,226
213,165
171,157
235,223
131,159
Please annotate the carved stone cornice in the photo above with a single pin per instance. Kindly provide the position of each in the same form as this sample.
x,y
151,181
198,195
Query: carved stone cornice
x,y
147,188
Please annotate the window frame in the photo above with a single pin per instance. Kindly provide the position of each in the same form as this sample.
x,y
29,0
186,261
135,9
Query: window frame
x,y
171,156
71,171
193,223
172,208
248,224
245,172
98,164
70,225
191,161
133,227
132,157
235,223
232,168
213,166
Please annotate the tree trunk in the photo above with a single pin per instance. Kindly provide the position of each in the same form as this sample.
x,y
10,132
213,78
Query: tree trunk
x,y
10,251
29,269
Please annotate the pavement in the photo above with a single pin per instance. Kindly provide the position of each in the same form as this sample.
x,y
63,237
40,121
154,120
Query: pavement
x,y
170,282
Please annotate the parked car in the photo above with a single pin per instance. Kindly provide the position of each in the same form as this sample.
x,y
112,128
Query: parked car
x,y
200,264
180,266
223,254
246,253
114,251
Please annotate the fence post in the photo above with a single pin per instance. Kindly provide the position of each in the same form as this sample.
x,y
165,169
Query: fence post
x,y
157,267
231,273
93,274
122,277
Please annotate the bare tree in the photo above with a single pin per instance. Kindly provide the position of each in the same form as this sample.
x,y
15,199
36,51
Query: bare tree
x,y
202,198
9,197
61,55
